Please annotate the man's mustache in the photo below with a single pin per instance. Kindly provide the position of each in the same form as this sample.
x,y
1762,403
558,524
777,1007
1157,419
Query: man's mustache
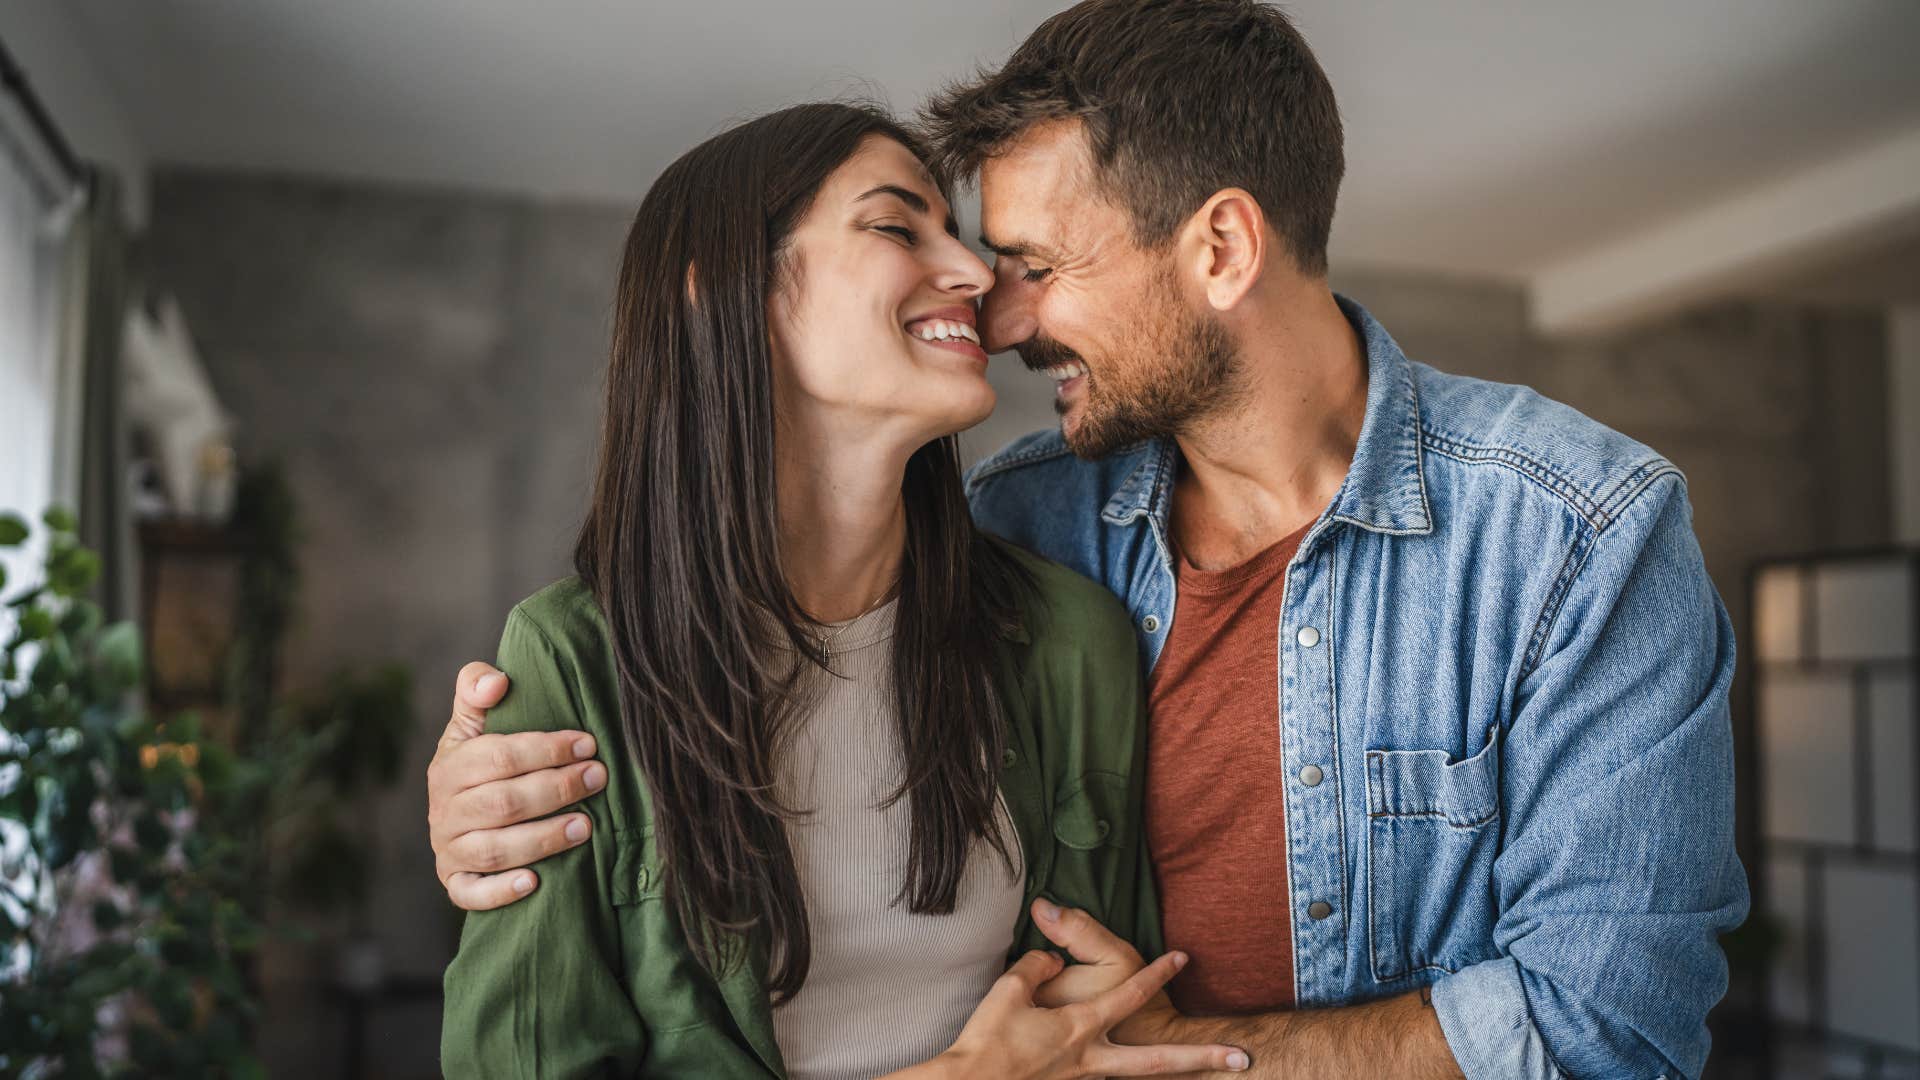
x,y
1039,354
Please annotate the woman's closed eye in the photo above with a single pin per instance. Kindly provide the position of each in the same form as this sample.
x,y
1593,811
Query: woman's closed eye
x,y
905,234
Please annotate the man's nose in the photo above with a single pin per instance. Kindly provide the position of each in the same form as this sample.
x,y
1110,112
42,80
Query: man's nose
x,y
1007,317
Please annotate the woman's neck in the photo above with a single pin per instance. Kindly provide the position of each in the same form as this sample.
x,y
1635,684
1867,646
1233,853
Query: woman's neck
x,y
843,521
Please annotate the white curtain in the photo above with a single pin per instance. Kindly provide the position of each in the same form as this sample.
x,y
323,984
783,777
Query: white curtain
x,y
39,392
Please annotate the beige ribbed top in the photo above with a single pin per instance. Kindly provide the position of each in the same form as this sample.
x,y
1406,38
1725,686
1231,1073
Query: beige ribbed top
x,y
887,988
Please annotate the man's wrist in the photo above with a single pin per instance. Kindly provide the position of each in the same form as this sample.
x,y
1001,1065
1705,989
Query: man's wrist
x,y
1263,1037
1150,1026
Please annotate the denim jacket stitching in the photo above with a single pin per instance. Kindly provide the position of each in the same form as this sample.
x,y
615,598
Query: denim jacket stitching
x,y
1333,704
1570,568
1006,462
1633,484
1373,948
1416,429
1655,470
1541,475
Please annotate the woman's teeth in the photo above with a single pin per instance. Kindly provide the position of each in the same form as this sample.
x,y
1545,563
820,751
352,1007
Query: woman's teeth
x,y
1070,370
942,330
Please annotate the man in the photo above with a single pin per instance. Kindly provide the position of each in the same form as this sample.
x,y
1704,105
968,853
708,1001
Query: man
x,y
1440,761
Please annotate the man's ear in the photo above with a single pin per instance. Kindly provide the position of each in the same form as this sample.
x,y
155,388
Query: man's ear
x,y
1225,246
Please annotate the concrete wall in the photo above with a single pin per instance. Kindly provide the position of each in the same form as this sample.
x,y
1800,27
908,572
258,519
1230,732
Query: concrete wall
x,y
428,364
1903,419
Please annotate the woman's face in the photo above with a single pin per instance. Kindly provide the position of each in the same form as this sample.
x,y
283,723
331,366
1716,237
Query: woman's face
x,y
873,319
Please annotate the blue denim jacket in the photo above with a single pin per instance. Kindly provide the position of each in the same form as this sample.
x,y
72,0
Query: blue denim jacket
x,y
1500,646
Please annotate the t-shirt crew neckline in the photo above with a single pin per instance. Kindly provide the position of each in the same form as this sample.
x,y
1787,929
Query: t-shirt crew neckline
x,y
1268,561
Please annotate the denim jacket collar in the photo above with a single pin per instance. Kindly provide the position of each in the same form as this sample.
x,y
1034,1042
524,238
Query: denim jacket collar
x,y
1385,489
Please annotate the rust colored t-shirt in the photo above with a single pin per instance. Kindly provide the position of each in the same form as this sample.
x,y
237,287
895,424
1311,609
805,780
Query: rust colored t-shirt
x,y
1216,808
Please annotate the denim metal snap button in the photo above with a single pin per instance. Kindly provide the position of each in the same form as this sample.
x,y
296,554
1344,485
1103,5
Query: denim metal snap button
x,y
1311,776
1150,624
1308,637
1319,909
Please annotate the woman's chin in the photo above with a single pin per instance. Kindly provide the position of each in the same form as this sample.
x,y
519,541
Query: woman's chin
x,y
958,413
984,401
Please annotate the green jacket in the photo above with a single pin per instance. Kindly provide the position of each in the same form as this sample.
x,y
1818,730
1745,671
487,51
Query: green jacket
x,y
591,974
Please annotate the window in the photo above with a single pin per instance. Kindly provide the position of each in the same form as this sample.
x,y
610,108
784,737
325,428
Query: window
x,y
33,387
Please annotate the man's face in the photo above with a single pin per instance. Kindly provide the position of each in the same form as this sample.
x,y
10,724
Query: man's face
x,y
1134,354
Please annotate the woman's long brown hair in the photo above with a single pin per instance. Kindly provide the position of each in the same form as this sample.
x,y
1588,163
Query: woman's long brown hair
x,y
681,550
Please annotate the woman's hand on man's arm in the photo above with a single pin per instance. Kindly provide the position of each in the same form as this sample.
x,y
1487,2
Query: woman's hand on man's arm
x,y
1397,1036
488,797
1011,1035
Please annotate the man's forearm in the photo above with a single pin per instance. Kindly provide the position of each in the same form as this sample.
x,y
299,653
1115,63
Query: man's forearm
x,y
1398,1037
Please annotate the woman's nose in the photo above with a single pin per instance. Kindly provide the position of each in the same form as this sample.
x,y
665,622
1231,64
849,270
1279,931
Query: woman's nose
x,y
965,273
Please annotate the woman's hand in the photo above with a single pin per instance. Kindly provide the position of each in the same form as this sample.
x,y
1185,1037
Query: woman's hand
x,y
1010,1036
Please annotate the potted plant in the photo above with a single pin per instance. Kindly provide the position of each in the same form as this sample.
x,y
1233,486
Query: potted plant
x,y
124,945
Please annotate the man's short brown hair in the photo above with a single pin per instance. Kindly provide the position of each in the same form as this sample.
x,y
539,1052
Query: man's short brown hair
x,y
1180,99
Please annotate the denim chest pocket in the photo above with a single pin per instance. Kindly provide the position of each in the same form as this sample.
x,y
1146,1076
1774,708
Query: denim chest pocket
x,y
1432,834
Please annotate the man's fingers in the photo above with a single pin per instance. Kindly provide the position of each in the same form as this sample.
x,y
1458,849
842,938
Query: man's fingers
x,y
1161,1060
490,758
536,794
1082,935
484,892
1126,999
1018,984
479,687
489,851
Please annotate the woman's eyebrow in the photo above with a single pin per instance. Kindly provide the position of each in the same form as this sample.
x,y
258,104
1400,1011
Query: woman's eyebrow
x,y
913,199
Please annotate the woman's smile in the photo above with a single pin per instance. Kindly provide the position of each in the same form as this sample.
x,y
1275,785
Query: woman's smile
x,y
950,329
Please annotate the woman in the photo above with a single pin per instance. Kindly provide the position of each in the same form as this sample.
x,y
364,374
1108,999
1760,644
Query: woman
x,y
850,739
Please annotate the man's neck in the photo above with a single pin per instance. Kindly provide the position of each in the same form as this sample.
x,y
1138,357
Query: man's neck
x,y
843,524
1275,457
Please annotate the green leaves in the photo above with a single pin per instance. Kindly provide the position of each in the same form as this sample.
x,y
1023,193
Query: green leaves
x,y
71,569
90,773
36,624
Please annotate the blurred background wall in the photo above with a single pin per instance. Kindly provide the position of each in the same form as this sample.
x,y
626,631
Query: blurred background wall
x,y
392,229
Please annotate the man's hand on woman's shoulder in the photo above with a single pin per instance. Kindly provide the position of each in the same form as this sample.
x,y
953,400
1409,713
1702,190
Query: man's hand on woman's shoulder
x,y
488,797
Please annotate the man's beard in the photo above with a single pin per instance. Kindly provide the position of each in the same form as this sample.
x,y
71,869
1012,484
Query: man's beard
x,y
1181,373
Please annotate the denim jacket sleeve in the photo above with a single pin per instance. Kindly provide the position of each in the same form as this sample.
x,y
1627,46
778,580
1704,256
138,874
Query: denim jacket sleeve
x,y
1617,870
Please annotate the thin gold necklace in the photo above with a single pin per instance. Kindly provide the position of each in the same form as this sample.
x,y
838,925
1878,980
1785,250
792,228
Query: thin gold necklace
x,y
825,639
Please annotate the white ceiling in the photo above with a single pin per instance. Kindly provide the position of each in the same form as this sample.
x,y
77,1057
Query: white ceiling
x,y
1484,136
